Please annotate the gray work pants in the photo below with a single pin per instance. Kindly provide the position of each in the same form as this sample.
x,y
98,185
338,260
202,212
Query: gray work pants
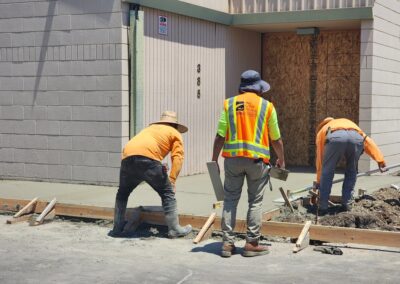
x,y
256,173
347,143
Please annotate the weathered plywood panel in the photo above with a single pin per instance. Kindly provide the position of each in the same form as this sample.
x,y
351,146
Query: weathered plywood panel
x,y
286,68
338,82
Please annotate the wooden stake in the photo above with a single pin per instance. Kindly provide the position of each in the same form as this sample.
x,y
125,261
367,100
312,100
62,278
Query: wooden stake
x,y
23,218
28,208
205,228
304,238
286,199
48,210
25,213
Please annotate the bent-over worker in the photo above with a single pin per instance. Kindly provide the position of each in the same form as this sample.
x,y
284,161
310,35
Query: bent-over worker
x,y
141,161
337,138
246,125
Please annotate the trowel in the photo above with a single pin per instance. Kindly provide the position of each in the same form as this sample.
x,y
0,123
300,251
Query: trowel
x,y
278,173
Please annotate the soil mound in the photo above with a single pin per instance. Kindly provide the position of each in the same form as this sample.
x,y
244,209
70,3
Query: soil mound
x,y
379,210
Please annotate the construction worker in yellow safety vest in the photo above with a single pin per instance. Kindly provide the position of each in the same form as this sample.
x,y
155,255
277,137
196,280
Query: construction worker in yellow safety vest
x,y
246,125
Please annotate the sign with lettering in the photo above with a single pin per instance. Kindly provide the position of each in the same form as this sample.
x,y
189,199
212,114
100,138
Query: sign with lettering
x,y
162,25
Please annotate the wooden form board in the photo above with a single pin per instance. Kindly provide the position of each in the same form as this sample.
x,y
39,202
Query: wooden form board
x,y
292,230
286,66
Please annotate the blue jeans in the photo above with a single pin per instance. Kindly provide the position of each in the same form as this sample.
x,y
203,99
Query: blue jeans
x,y
256,173
347,143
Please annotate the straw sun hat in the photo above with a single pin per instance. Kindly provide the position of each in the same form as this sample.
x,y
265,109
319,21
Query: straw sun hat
x,y
171,117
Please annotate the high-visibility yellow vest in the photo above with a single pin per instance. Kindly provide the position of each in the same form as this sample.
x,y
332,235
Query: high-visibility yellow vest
x,y
247,135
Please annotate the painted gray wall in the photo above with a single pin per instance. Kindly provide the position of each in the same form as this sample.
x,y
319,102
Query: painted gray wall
x,y
380,80
63,89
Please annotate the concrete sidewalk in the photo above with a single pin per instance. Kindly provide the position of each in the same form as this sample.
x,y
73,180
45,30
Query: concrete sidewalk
x,y
194,193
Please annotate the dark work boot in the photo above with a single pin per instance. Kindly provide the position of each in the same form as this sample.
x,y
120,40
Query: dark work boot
x,y
323,212
119,219
254,249
227,249
346,207
172,220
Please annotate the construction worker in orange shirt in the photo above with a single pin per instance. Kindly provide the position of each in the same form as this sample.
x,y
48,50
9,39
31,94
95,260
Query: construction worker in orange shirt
x,y
141,161
337,138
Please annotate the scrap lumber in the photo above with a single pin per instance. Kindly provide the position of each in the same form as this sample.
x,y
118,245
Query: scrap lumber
x,y
268,228
49,209
287,202
29,208
207,227
25,213
304,238
22,218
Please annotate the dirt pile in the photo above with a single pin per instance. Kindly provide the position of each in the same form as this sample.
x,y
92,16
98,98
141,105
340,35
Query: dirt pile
x,y
379,210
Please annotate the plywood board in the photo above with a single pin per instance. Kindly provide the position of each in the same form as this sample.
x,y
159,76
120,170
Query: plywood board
x,y
286,66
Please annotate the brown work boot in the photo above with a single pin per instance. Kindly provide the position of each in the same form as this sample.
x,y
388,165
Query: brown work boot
x,y
254,249
228,249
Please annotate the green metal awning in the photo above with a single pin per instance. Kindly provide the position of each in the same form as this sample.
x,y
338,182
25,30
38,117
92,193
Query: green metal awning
x,y
254,19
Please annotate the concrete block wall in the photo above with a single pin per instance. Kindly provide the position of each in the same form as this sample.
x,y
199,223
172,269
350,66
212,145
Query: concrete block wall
x,y
63,89
380,80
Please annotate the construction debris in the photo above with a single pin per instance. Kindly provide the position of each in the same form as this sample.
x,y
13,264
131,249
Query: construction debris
x,y
329,250
25,213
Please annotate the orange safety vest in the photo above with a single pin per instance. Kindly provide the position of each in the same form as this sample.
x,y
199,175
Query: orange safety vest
x,y
247,117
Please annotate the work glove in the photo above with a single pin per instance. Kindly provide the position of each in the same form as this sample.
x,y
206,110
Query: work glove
x,y
382,167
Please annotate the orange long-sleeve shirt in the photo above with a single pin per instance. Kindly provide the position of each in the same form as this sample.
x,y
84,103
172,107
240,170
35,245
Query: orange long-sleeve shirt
x,y
370,147
155,142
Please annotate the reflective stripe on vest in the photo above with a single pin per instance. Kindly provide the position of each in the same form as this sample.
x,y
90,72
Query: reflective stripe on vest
x,y
247,144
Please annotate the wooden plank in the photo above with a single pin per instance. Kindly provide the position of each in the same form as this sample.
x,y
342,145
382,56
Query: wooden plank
x,y
48,212
22,218
286,199
205,228
304,238
269,228
29,208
